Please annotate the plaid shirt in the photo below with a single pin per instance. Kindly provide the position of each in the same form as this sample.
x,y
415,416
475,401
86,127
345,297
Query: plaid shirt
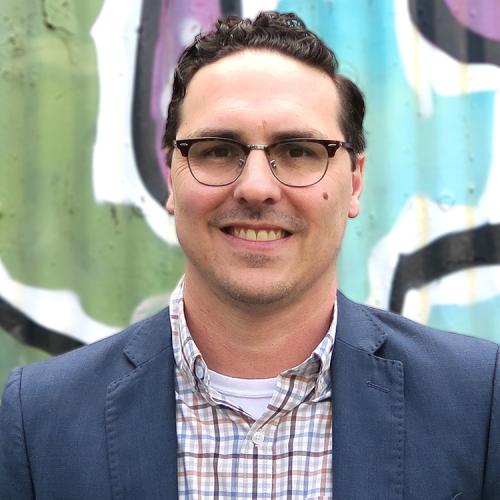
x,y
224,453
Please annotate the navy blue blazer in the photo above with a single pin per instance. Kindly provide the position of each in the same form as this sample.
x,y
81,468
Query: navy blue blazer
x,y
416,416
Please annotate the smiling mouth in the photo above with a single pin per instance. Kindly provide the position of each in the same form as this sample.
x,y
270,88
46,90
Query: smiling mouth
x,y
256,234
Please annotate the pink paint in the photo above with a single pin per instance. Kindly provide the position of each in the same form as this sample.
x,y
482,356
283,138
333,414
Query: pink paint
x,y
480,16
175,17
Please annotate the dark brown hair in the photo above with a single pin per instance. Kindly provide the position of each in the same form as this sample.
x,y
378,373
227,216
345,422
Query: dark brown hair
x,y
284,33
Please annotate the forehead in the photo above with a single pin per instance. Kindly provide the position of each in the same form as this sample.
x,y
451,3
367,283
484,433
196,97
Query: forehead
x,y
260,92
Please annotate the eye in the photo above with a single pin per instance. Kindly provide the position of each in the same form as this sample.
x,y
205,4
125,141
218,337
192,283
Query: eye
x,y
216,150
297,151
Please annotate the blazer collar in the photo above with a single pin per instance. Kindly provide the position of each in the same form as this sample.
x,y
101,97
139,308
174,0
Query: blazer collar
x,y
141,417
357,327
151,337
368,409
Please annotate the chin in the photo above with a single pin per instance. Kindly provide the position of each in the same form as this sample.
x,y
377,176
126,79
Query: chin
x,y
258,294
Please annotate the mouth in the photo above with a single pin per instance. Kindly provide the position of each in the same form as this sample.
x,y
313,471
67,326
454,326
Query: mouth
x,y
253,234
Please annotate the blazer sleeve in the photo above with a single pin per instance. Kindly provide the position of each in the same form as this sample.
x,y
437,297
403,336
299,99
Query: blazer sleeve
x,y
492,471
15,476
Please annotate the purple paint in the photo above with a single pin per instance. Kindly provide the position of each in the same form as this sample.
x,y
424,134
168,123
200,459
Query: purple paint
x,y
178,22
480,16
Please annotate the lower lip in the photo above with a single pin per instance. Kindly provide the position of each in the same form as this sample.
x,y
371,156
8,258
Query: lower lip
x,y
261,245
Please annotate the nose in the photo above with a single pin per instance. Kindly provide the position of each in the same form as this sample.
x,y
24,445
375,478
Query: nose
x,y
256,183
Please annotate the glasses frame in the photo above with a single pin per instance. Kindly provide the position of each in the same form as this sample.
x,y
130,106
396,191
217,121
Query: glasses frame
x,y
331,146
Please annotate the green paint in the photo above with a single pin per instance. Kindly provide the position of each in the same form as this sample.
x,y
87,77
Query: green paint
x,y
52,233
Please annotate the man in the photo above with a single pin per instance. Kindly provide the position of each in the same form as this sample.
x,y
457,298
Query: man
x,y
261,380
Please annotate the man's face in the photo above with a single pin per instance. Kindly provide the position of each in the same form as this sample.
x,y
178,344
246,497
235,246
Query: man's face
x,y
259,97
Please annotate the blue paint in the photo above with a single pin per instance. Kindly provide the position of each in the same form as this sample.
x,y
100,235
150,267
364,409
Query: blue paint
x,y
444,157
479,319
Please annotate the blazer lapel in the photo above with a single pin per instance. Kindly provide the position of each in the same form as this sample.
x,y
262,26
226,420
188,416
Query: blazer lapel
x,y
368,410
141,418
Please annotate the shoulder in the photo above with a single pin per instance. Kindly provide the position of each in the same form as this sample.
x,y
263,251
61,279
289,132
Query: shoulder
x,y
401,338
410,334
91,368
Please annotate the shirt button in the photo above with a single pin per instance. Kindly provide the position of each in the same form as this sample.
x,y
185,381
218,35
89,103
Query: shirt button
x,y
199,372
258,438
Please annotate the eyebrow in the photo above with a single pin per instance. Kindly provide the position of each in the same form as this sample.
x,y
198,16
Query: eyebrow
x,y
303,133
214,132
307,133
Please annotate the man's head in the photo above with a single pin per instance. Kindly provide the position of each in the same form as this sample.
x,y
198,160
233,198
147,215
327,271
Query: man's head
x,y
256,239
283,33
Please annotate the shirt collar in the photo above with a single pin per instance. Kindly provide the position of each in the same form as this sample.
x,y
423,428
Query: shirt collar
x,y
189,360
186,354
316,368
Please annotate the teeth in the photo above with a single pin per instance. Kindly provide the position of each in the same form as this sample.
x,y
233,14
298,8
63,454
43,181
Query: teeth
x,y
260,235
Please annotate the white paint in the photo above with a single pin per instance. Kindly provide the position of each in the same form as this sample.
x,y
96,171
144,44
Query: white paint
x,y
166,94
189,28
115,174
461,288
250,9
489,204
58,310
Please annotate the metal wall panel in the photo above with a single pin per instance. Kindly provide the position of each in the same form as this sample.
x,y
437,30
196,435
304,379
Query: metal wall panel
x,y
85,244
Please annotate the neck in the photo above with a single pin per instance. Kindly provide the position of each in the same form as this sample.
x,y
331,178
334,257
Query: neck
x,y
259,341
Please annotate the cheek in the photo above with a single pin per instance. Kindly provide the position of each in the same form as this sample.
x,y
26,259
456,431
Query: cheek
x,y
195,202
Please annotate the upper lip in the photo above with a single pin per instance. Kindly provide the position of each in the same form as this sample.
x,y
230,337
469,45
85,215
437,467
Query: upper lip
x,y
262,226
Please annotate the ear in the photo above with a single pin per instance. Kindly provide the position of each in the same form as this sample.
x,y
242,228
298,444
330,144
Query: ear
x,y
357,185
170,197
170,187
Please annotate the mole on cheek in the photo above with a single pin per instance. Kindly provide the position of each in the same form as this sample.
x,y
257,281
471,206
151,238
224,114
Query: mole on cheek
x,y
325,196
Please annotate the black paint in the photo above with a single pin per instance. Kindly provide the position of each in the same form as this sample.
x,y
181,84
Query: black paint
x,y
436,23
445,255
143,126
230,7
28,332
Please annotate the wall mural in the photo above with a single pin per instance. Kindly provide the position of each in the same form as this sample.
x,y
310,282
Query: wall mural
x,y
86,246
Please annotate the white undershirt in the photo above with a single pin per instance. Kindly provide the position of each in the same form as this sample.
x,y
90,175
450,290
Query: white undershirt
x,y
251,395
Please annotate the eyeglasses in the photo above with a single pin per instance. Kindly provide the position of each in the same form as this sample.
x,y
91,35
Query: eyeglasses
x,y
215,161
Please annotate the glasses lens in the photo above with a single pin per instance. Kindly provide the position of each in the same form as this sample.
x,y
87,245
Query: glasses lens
x,y
299,163
215,161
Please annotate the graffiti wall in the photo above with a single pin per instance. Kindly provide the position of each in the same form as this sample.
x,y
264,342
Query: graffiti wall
x,y
86,246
